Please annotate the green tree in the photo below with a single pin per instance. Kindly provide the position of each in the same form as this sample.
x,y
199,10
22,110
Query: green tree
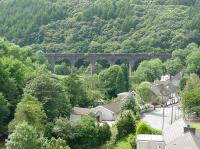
x,y
82,134
121,84
12,81
174,66
130,104
126,75
51,93
183,83
146,94
76,92
114,80
24,137
40,57
104,133
192,83
4,110
54,144
149,71
191,101
145,128
125,124
31,111
62,69
193,65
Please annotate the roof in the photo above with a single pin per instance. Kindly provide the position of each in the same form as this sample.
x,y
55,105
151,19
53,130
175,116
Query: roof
x,y
175,137
114,106
155,138
123,94
81,111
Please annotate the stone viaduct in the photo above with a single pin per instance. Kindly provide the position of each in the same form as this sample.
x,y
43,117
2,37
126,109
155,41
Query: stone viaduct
x,y
131,58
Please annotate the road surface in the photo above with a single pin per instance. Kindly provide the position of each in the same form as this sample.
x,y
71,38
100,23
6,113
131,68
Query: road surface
x,y
155,118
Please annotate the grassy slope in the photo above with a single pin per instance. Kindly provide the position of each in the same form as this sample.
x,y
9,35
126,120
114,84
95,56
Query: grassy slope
x,y
124,143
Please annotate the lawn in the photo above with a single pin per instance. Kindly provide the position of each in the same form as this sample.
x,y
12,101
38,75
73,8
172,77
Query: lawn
x,y
196,125
124,143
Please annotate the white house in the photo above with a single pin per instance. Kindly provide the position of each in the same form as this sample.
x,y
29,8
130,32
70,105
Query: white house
x,y
108,112
150,142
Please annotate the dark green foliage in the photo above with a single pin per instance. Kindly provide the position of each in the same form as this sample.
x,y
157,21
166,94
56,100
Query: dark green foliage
x,y
121,82
40,57
104,133
126,75
149,71
24,21
193,65
14,69
100,26
82,134
130,104
51,93
4,110
62,69
182,83
114,80
126,124
173,66
76,92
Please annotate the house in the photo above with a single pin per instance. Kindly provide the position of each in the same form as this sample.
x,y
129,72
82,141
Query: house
x,y
78,112
108,112
181,136
123,95
150,142
167,88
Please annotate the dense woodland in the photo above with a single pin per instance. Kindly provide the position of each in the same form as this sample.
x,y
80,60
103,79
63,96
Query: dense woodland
x,y
101,26
35,104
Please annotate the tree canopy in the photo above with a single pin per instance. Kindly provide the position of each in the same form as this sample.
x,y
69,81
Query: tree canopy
x,y
101,26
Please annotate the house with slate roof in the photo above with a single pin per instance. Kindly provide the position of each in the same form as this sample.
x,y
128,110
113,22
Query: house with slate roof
x,y
181,136
78,112
107,112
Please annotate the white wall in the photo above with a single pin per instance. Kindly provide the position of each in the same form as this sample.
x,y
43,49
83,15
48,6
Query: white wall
x,y
107,115
150,145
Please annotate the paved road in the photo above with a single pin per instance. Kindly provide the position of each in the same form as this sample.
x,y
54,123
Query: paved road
x,y
155,118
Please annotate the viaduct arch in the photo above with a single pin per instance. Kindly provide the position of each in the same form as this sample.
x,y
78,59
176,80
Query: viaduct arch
x,y
131,58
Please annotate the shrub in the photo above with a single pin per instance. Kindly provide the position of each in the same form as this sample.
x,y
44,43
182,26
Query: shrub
x,y
125,124
145,128
23,137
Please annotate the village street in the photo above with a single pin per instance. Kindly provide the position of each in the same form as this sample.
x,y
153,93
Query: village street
x,y
155,118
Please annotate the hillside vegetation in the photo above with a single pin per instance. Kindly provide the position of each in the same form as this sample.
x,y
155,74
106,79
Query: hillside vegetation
x,y
101,25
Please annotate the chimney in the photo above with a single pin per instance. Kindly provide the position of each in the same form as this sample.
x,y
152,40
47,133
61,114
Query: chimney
x,y
189,129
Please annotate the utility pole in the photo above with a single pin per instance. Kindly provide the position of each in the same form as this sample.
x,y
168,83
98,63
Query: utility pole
x,y
172,111
163,122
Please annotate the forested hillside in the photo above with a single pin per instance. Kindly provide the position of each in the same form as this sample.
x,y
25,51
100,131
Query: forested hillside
x,y
101,25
